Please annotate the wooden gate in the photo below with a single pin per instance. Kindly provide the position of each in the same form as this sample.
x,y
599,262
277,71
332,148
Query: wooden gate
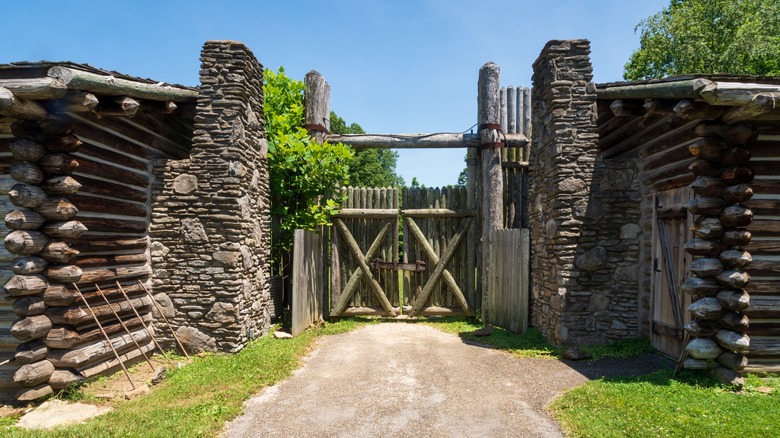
x,y
671,229
437,269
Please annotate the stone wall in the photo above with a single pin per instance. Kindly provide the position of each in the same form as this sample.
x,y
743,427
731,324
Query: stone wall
x,y
584,212
210,228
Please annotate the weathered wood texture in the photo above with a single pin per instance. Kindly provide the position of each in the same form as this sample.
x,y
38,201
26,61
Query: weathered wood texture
x,y
84,187
764,287
365,228
438,233
514,159
670,264
310,276
420,141
506,296
317,105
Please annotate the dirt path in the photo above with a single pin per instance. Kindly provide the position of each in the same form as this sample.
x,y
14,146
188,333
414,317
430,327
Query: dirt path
x,y
409,380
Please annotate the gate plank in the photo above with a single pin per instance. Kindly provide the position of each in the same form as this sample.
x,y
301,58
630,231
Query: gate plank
x,y
440,269
361,261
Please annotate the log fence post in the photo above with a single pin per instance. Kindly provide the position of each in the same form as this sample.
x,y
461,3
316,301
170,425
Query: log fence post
x,y
491,183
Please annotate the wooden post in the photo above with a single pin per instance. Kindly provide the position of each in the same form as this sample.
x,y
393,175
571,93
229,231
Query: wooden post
x,y
502,109
317,105
519,112
491,204
317,119
526,120
511,109
471,238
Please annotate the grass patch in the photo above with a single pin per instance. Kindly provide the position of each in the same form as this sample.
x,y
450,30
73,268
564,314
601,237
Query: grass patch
x,y
532,343
198,399
659,404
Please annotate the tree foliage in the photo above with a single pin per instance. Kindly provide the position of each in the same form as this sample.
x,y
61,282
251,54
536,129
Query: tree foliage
x,y
369,167
304,174
709,37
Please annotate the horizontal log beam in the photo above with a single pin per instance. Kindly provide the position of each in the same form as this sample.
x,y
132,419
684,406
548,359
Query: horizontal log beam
x,y
365,213
437,212
18,108
108,366
92,353
77,315
688,89
35,88
734,93
68,337
105,84
419,141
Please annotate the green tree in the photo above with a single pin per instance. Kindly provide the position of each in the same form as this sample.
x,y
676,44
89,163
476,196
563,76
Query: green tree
x,y
369,167
708,37
303,173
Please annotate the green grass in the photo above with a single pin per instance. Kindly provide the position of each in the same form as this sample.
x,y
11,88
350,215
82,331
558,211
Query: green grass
x,y
198,399
532,343
659,404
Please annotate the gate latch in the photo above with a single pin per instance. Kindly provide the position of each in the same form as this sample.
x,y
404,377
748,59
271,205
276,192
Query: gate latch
x,y
417,266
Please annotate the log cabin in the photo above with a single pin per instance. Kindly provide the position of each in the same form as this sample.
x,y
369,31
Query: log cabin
x,y
708,151
116,189
655,211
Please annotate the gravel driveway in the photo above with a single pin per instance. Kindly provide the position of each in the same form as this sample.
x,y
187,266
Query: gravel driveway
x,y
396,379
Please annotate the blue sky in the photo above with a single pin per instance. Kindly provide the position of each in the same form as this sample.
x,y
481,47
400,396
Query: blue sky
x,y
393,66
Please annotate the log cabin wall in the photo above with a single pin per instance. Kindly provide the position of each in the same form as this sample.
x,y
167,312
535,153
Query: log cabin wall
x,y
210,230
708,148
78,214
584,211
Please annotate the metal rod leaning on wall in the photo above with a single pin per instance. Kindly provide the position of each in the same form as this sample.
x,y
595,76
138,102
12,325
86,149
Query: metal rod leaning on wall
x,y
157,306
122,323
148,332
100,326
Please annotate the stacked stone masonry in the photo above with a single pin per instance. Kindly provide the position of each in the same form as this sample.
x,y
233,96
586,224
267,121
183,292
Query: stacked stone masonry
x,y
210,227
584,211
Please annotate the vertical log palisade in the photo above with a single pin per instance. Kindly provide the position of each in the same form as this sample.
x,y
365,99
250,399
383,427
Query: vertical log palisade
x,y
718,139
76,146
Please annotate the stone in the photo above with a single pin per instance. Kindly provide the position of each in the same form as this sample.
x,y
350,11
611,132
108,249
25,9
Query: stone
x,y
483,331
185,184
576,353
246,256
226,258
53,413
571,185
192,231
630,231
195,341
282,335
598,302
628,274
166,305
618,325
159,375
223,313
727,376
235,168
592,259
157,249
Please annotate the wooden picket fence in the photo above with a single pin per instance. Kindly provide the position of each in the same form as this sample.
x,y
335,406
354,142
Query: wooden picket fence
x,y
515,115
505,302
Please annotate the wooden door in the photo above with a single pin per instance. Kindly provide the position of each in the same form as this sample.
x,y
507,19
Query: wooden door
x,y
671,229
